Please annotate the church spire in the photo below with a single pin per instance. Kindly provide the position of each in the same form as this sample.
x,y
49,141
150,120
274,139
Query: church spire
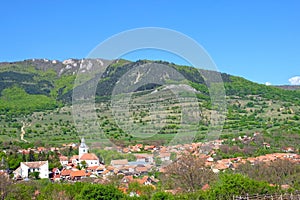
x,y
83,148
82,144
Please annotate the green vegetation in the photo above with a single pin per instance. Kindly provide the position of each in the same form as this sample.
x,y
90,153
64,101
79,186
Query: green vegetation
x,y
34,92
16,101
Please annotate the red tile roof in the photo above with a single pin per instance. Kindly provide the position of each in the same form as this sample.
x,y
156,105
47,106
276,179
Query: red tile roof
x,y
141,169
74,157
89,156
92,168
66,172
80,173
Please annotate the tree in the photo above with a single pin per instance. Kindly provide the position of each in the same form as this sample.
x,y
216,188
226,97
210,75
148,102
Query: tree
x,y
188,173
238,184
35,175
100,192
5,185
31,156
278,172
83,164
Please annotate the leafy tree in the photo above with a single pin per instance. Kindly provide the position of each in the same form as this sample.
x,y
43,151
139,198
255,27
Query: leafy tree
x,y
83,164
31,156
99,192
238,184
35,175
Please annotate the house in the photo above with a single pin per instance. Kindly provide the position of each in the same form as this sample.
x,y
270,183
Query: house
x,y
92,169
141,170
288,149
65,174
74,159
100,169
55,171
164,156
144,180
55,174
63,160
119,163
77,175
149,147
126,180
146,158
42,167
41,149
210,159
266,145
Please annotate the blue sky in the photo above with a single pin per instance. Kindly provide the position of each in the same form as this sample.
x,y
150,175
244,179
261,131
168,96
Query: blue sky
x,y
258,40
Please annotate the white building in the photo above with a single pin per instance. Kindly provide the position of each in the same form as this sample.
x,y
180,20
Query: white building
x,y
27,167
90,158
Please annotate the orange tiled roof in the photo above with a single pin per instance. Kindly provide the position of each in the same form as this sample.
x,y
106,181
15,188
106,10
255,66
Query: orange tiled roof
x,y
128,178
220,166
80,173
141,169
125,150
92,168
142,180
57,176
89,156
74,157
149,147
101,167
66,172
110,168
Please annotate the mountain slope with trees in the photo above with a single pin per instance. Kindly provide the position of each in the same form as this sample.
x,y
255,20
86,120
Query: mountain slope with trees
x,y
40,91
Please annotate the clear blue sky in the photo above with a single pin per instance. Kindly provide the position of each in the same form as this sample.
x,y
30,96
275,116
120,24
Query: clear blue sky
x,y
258,40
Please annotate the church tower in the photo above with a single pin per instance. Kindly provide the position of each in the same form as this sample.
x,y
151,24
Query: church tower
x,y
83,148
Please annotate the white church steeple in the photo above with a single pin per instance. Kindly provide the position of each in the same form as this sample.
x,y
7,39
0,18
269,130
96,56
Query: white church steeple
x,y
83,148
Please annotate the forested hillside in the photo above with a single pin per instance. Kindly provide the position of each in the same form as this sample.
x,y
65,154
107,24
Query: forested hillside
x,y
40,91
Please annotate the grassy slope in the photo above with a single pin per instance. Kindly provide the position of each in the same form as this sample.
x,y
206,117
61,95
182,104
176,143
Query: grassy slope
x,y
251,107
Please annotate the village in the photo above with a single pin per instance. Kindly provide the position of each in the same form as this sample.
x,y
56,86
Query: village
x,y
148,160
